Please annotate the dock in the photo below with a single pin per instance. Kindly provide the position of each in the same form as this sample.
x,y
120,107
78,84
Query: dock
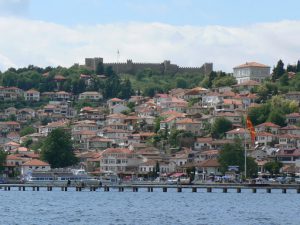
x,y
238,188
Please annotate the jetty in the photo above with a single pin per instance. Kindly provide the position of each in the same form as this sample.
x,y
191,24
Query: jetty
x,y
238,188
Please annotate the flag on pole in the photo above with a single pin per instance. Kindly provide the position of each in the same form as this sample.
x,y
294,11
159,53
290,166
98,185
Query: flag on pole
x,y
251,129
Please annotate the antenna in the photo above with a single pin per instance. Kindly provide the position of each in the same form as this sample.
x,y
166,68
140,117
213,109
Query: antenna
x,y
118,55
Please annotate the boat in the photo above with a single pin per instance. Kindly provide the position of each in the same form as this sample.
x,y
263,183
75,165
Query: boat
x,y
109,178
61,178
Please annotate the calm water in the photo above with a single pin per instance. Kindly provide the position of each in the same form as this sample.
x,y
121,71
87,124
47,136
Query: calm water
x,y
172,208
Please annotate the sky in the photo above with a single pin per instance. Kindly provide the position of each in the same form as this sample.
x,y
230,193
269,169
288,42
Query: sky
x,y
187,32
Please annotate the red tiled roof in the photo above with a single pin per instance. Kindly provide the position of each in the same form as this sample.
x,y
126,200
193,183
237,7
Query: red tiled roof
x,y
268,124
209,163
35,162
117,150
251,64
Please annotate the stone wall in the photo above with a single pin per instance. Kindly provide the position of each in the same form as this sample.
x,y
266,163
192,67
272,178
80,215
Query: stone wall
x,y
164,67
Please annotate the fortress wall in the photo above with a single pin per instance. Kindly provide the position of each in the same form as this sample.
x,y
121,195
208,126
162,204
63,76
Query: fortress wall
x,y
164,67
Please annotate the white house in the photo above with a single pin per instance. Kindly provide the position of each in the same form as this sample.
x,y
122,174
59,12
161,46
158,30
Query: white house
x,y
90,95
251,71
34,165
32,95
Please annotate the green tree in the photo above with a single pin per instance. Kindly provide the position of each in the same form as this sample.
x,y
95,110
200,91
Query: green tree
x,y
100,68
27,130
181,83
273,167
278,71
277,117
126,89
298,66
3,155
57,149
220,126
233,155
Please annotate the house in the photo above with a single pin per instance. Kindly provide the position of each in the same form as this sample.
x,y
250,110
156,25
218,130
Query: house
x,y
189,125
267,127
13,136
45,130
90,113
11,146
90,95
264,138
291,129
120,160
203,143
25,114
10,93
240,133
118,108
292,118
160,98
115,101
233,117
288,156
289,141
32,95
34,165
251,71
197,93
246,86
212,100
293,95
207,168
10,126
98,143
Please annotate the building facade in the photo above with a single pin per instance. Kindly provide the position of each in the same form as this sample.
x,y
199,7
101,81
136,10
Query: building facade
x,y
251,71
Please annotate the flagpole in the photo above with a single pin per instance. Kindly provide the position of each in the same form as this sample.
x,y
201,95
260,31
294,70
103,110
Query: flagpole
x,y
245,150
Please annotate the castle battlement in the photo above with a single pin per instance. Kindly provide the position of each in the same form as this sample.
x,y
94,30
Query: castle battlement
x,y
133,67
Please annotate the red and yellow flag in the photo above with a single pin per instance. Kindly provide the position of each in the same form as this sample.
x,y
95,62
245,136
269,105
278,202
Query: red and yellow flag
x,y
251,129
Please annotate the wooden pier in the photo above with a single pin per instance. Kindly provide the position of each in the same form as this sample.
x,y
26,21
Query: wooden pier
x,y
238,188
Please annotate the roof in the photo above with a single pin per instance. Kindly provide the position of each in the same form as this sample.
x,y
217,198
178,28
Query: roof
x,y
268,124
115,100
290,127
237,131
251,64
293,115
209,163
117,150
32,91
35,162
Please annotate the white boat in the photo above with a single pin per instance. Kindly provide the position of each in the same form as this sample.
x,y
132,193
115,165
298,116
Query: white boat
x,y
73,178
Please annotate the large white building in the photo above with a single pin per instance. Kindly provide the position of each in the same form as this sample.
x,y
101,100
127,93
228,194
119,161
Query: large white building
x,y
251,71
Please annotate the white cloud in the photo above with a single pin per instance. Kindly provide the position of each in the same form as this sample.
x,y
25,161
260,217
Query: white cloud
x,y
41,43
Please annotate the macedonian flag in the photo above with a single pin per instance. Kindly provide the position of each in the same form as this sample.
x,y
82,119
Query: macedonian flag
x,y
251,129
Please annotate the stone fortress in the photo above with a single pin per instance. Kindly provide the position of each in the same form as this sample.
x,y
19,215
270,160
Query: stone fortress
x,y
165,67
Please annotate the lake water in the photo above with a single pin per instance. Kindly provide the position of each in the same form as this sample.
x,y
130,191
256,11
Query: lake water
x,y
57,207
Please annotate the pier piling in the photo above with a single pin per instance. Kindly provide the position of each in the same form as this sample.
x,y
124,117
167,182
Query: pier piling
x,y
238,190
224,190
209,189
194,189
179,189
165,189
269,190
283,190
253,190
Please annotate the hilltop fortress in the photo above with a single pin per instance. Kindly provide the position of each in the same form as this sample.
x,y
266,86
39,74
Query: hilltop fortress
x,y
164,67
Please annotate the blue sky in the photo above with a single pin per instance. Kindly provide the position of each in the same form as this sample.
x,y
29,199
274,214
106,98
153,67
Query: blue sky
x,y
175,12
187,32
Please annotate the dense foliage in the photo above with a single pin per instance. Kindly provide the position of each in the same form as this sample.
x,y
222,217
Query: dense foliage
x,y
233,155
57,149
